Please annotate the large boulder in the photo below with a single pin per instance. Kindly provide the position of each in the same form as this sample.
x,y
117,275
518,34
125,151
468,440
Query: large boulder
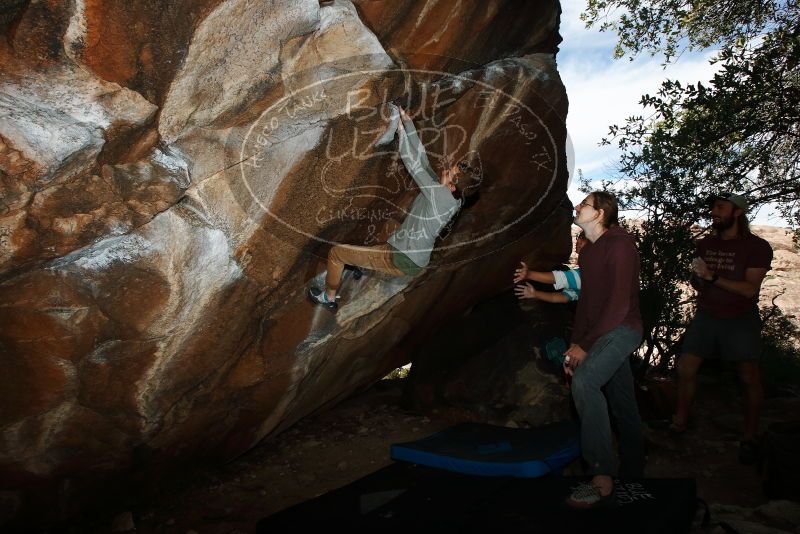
x,y
154,261
453,35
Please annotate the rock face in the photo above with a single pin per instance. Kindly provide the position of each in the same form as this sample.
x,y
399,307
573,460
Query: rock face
x,y
172,175
57,124
493,366
782,283
447,35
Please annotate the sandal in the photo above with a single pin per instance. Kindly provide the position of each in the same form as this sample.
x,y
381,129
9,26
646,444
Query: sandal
x,y
587,496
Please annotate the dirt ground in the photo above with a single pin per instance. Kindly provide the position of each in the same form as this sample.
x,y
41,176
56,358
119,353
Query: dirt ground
x,y
318,454
351,440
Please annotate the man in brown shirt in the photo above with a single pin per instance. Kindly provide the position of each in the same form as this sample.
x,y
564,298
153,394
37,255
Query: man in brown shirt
x,y
729,267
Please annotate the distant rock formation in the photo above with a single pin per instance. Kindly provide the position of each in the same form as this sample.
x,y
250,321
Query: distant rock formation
x,y
171,176
783,282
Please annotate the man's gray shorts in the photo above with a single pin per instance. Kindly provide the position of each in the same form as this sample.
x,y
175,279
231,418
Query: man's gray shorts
x,y
735,340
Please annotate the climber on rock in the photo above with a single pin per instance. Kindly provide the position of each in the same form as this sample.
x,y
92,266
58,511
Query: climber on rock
x,y
408,249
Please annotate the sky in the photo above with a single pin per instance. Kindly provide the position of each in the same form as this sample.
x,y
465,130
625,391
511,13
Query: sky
x,y
603,91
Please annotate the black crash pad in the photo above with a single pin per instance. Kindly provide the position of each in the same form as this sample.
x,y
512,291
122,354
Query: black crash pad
x,y
412,498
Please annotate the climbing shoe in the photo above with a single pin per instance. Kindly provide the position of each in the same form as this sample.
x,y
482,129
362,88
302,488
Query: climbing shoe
x,y
357,273
319,296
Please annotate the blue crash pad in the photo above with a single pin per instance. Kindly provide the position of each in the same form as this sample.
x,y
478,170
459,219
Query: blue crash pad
x,y
488,450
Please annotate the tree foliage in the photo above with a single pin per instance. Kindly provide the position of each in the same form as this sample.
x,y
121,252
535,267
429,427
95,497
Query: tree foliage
x,y
779,337
669,27
738,131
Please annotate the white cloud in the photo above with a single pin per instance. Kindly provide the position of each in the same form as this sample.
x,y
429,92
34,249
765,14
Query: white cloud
x,y
602,94
603,91
579,37
768,215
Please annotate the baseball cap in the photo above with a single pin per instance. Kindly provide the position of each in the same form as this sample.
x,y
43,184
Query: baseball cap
x,y
737,200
